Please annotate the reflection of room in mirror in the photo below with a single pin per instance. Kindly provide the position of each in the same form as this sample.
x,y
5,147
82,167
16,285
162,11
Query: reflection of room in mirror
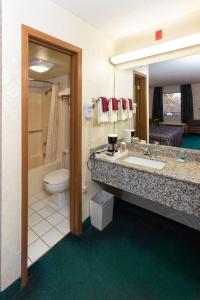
x,y
174,102
125,86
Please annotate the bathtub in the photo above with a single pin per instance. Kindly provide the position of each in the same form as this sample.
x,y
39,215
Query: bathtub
x,y
36,175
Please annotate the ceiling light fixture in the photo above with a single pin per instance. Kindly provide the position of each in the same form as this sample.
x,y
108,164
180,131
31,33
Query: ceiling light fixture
x,y
180,43
40,66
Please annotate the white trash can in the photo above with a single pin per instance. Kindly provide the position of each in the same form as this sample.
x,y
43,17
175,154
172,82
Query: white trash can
x,y
101,209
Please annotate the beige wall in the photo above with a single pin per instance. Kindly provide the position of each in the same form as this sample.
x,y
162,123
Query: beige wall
x,y
124,89
63,81
178,28
181,27
98,80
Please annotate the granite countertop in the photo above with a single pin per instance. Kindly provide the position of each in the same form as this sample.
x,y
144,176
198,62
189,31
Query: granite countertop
x,y
189,171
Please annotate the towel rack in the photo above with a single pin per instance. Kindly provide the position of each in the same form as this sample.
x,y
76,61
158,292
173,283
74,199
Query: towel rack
x,y
95,100
37,130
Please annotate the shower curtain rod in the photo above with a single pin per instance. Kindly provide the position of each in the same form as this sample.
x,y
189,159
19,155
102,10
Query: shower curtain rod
x,y
39,80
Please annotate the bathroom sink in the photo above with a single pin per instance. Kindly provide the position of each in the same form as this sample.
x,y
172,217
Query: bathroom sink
x,y
155,164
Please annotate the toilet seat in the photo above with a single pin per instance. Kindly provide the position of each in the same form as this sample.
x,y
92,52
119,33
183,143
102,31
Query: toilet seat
x,y
57,177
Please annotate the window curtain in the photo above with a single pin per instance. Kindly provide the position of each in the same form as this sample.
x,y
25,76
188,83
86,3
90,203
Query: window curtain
x,y
157,112
186,103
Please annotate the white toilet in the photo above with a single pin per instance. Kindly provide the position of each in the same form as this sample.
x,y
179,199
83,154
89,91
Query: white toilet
x,y
57,183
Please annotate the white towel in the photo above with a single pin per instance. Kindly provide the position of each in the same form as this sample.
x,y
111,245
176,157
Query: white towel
x,y
123,113
112,113
130,112
102,116
119,112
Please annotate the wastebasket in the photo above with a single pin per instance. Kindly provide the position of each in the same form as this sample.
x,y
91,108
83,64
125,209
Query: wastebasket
x,y
101,209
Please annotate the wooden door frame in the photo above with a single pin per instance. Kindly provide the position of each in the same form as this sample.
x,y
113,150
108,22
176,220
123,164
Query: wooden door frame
x,y
144,90
32,35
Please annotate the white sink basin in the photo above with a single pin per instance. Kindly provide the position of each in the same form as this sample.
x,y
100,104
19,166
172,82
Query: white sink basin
x,y
155,164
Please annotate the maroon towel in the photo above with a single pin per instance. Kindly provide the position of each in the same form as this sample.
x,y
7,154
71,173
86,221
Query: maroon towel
x,y
130,104
124,103
114,103
104,101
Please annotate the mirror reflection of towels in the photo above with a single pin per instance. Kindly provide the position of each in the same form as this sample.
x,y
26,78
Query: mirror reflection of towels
x,y
130,108
124,103
130,104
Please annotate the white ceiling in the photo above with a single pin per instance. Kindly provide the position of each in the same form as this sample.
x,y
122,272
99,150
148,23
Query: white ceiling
x,y
176,71
120,18
60,61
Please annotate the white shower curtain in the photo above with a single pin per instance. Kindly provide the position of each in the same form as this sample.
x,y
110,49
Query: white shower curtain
x,y
52,135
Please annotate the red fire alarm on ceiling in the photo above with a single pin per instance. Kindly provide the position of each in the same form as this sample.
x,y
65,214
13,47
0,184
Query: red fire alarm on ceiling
x,y
158,34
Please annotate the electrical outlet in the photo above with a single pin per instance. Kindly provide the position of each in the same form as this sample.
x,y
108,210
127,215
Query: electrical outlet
x,y
84,188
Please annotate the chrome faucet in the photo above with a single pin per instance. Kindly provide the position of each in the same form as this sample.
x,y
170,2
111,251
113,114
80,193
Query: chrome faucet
x,y
148,152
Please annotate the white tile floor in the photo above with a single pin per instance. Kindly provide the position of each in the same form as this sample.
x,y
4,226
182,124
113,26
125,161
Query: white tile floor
x,y
48,224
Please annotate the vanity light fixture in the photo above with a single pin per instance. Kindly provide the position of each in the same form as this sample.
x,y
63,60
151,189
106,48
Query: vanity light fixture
x,y
40,66
180,43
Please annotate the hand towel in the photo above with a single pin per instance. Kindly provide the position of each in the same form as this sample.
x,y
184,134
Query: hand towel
x,y
122,112
103,116
130,108
104,102
130,104
125,107
119,112
124,104
113,108
114,103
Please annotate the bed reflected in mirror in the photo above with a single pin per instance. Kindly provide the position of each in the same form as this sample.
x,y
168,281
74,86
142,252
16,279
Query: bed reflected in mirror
x,y
174,102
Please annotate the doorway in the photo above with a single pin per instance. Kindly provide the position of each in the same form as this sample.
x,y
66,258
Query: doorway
x,y
34,38
141,101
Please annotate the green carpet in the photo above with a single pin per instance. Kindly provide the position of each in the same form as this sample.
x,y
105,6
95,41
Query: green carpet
x,y
139,256
191,141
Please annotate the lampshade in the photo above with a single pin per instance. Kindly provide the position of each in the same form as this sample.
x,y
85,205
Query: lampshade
x,y
40,66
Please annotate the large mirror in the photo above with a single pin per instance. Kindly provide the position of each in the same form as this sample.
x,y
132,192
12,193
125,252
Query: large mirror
x,y
133,83
168,101
174,102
